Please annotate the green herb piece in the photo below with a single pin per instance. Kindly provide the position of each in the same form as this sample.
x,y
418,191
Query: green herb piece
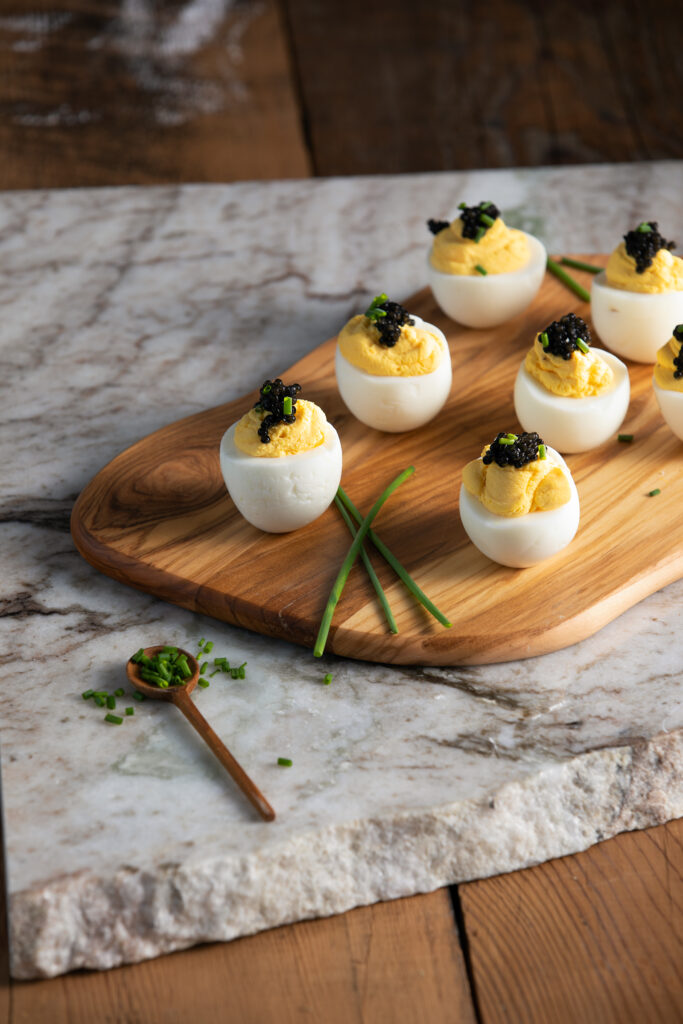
x,y
87,694
215,672
327,678
111,702
130,711
208,647
480,270
485,205
286,762
489,221
203,683
242,670
101,693
580,343
99,700
393,561
625,438
381,596
567,280
139,655
580,265
542,454
480,234
138,696
114,719
120,692
203,668
202,642
544,339
373,312
342,576
462,206
644,228
651,494
506,440
287,405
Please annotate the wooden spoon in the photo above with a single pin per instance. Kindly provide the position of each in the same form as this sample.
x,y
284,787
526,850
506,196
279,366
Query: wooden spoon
x,y
180,696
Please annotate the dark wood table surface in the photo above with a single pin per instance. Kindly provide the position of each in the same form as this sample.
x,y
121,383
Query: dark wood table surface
x,y
142,92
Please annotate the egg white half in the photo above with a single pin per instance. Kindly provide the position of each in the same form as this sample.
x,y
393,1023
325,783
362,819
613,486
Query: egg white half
x,y
521,541
282,494
396,404
478,301
671,407
634,324
573,424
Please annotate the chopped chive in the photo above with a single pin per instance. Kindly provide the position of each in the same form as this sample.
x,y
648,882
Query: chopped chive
x,y
462,206
202,642
203,683
215,672
644,228
580,265
287,405
542,454
343,573
130,711
208,647
625,438
480,234
580,343
489,221
381,596
505,440
139,654
114,719
203,668
221,662
544,339
101,693
111,702
485,205
286,762
327,678
511,437
99,700
393,561
120,692
138,696
651,494
480,270
567,280
87,693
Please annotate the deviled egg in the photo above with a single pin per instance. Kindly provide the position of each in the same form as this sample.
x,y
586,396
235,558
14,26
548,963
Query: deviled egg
x,y
282,461
639,295
667,381
482,272
393,370
574,395
518,502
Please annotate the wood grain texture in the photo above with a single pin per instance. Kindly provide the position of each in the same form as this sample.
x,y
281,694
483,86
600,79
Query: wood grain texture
x,y
158,517
593,937
374,965
139,93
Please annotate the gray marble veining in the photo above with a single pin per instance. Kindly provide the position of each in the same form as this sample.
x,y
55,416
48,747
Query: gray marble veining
x,y
125,309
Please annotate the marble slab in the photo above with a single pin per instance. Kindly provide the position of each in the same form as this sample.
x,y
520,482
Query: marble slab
x,y
124,309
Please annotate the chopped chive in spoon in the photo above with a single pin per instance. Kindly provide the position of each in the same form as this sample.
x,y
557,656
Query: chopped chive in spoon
x,y
567,280
381,596
480,270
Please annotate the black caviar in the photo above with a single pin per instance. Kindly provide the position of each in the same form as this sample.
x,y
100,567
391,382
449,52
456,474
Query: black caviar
x,y
388,317
274,398
643,244
678,361
514,449
476,220
564,336
437,225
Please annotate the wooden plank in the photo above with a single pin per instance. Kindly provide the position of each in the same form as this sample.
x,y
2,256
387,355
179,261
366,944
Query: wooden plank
x,y
377,965
138,93
394,87
593,937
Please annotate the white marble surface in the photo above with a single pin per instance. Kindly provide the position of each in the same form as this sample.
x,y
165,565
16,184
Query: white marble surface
x,y
126,842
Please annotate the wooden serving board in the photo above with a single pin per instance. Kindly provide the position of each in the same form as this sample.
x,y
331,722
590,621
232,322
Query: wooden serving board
x,y
158,517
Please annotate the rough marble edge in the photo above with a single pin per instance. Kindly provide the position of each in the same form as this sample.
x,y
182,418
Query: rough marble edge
x,y
127,915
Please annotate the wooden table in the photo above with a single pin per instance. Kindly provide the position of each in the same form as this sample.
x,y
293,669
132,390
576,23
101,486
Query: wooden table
x,y
114,94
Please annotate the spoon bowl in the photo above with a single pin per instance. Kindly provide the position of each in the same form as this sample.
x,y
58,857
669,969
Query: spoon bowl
x,y
180,696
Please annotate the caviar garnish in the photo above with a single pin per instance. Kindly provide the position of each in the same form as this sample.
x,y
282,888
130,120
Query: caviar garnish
x,y
564,336
388,317
476,220
278,401
437,225
643,244
678,360
514,449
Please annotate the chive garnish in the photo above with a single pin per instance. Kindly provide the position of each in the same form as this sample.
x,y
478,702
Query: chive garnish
x,y
580,265
381,596
342,576
130,711
651,494
138,696
480,270
327,679
287,405
114,719
99,700
485,205
506,440
87,694
374,312
480,234
202,642
203,683
542,454
393,561
120,692
203,668
545,341
286,762
462,206
208,647
101,693
111,703
567,280
489,221
625,438
580,343
644,228
215,672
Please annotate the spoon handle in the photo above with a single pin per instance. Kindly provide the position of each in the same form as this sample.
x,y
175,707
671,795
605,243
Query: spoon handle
x,y
249,788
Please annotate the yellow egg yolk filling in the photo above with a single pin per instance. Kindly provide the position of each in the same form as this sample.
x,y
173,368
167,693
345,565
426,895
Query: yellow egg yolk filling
x,y
416,352
508,491
581,376
501,250
664,370
665,273
307,431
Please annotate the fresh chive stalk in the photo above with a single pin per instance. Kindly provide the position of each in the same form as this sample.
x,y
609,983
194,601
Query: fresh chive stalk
x,y
580,265
480,270
567,280
343,574
393,561
381,596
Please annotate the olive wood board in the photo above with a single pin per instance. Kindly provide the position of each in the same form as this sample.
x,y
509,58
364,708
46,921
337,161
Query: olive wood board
x,y
158,517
